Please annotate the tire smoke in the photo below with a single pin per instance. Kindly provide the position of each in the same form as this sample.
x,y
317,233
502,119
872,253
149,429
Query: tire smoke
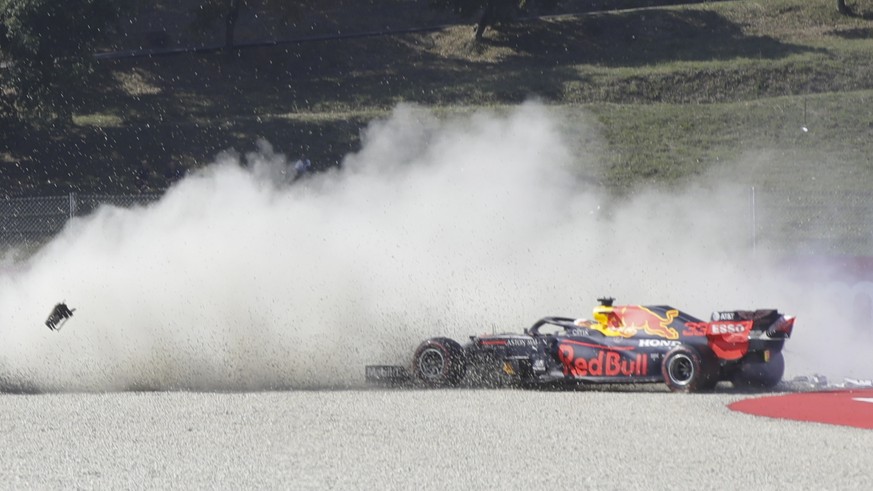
x,y
241,279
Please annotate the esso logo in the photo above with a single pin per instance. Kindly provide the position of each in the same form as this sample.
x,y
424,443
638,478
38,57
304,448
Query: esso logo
x,y
728,328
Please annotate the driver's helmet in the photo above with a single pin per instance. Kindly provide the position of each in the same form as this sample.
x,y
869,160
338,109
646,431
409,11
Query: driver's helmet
x,y
604,315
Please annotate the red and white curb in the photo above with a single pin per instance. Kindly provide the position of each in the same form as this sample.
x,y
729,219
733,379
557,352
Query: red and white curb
x,y
838,407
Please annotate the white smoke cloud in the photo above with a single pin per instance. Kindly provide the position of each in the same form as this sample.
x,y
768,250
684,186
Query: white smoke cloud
x,y
453,226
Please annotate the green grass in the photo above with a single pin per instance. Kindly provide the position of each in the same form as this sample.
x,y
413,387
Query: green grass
x,y
677,91
677,141
98,120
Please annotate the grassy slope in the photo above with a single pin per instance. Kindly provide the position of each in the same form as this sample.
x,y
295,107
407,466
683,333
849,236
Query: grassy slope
x,y
676,89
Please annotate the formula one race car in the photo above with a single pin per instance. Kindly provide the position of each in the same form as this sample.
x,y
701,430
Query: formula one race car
x,y
623,344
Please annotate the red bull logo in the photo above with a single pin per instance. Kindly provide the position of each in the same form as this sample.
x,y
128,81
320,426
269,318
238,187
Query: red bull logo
x,y
695,329
607,363
643,319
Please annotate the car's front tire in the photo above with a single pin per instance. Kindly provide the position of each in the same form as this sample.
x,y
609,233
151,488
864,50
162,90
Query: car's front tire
x,y
439,362
760,374
685,370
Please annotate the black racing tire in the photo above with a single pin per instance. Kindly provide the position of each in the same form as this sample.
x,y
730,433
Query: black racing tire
x,y
685,370
439,362
760,374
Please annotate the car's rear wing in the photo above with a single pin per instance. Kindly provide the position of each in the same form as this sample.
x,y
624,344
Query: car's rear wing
x,y
729,333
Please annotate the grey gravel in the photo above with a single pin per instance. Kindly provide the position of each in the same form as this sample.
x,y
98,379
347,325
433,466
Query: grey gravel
x,y
411,439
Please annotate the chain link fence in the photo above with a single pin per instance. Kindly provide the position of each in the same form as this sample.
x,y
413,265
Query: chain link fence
x,y
825,221
27,223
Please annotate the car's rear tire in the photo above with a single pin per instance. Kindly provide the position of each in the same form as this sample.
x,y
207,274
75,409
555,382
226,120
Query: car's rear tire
x,y
685,370
439,362
759,374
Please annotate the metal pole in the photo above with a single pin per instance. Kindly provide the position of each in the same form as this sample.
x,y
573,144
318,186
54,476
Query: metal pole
x,y
72,205
754,219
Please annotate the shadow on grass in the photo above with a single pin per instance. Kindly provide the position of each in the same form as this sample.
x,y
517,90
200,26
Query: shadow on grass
x,y
860,14
537,58
857,33
177,113
639,38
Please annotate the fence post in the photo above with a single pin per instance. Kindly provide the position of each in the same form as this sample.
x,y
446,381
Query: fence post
x,y
754,219
72,205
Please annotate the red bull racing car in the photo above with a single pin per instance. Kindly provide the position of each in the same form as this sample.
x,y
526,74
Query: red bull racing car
x,y
622,344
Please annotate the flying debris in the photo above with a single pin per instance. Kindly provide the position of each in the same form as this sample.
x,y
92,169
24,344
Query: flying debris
x,y
58,317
